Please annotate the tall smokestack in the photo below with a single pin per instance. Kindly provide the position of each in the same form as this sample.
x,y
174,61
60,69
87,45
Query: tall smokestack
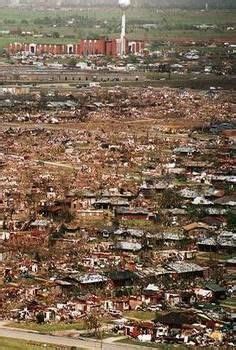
x,y
122,37
124,4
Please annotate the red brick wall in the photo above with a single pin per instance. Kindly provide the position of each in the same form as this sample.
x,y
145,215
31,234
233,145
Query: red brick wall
x,y
108,49
84,48
114,47
92,47
57,49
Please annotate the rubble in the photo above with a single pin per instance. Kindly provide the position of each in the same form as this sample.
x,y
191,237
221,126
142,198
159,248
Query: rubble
x,y
113,201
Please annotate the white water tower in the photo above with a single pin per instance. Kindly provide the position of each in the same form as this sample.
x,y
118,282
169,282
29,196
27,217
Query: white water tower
x,y
124,4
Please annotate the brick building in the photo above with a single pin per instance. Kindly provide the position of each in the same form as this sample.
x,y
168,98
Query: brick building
x,y
89,47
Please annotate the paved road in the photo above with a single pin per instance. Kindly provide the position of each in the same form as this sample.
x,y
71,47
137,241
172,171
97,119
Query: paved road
x,y
41,338
65,341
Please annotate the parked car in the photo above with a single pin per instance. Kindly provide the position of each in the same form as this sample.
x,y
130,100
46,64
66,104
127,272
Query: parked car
x,y
115,313
156,307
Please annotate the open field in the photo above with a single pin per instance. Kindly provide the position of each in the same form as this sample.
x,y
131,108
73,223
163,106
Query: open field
x,y
48,328
135,15
140,315
230,303
173,25
129,341
13,344
212,256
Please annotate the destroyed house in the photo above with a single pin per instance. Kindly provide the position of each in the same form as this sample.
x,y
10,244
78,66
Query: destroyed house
x,y
152,294
92,279
121,304
128,246
185,150
150,189
64,286
123,278
217,291
186,269
87,198
40,224
116,193
56,209
177,319
129,232
105,203
140,330
197,166
122,233
168,237
228,201
134,214
196,228
224,242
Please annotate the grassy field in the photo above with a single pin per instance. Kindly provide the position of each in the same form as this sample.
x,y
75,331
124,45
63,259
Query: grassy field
x,y
140,315
129,341
175,25
230,303
212,256
134,15
48,327
13,344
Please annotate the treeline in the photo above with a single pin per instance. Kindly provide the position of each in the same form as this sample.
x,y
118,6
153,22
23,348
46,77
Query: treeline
x,y
189,4
181,4
165,4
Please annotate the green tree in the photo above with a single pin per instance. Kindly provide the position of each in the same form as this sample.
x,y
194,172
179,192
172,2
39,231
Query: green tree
x,y
93,324
231,220
40,317
24,21
56,35
169,199
72,62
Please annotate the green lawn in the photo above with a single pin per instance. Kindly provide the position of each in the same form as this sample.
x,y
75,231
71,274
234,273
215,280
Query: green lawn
x,y
229,303
48,327
102,335
129,341
212,256
140,315
13,344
